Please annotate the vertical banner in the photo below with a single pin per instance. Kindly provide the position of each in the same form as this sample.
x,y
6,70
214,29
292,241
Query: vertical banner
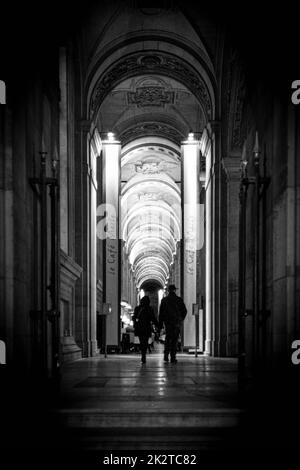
x,y
191,229
111,173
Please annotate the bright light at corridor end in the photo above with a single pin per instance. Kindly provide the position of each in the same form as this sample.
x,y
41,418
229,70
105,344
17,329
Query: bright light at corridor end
x,y
142,293
110,136
191,137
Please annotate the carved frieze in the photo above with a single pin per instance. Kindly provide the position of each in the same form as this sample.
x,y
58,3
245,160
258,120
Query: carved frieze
x,y
236,140
150,96
235,85
153,167
150,196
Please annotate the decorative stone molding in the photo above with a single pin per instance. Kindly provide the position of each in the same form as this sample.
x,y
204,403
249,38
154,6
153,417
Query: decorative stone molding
x,y
148,168
202,165
236,130
151,128
99,287
150,196
84,125
205,142
232,167
235,83
70,272
148,62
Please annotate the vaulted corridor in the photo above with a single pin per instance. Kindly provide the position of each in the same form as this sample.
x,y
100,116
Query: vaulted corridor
x,y
149,150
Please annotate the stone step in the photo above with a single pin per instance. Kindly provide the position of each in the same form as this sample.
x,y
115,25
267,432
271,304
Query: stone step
x,y
98,419
117,439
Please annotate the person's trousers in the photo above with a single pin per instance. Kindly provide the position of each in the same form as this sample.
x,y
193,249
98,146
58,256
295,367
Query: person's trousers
x,y
143,346
171,343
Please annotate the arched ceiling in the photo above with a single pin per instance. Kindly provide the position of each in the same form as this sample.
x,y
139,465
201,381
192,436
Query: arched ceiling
x,y
150,104
150,81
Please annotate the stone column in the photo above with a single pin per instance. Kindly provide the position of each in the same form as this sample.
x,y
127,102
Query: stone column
x,y
7,298
63,152
82,238
95,150
216,212
232,169
218,251
111,172
293,228
205,146
191,220
70,272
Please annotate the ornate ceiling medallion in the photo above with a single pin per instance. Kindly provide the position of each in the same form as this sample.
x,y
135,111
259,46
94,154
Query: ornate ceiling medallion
x,y
159,64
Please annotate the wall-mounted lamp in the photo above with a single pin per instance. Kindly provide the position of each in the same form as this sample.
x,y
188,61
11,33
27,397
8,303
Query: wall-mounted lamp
x,y
110,136
244,163
256,151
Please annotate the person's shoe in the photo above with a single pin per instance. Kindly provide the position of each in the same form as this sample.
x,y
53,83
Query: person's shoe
x,y
143,361
166,359
173,361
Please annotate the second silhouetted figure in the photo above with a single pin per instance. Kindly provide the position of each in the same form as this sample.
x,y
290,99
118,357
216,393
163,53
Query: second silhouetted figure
x,y
172,312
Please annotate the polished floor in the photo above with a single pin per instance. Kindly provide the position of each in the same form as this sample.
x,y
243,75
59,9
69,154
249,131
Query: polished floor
x,y
116,402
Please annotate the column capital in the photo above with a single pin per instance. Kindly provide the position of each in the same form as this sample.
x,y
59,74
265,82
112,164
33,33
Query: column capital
x,y
215,126
84,125
108,142
232,166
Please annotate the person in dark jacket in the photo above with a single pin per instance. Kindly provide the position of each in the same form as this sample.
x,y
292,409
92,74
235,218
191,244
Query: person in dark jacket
x,y
143,319
172,312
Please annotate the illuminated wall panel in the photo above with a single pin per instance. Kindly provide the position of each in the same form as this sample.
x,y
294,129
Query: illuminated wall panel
x,y
190,153
111,172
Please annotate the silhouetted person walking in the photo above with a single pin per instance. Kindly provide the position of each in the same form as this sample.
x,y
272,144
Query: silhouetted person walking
x,y
172,312
143,319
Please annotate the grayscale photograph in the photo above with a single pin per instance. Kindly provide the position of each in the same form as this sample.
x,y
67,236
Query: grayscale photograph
x,y
149,233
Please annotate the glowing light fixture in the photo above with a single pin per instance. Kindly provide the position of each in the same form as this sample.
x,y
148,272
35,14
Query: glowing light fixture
x,y
160,296
142,293
110,136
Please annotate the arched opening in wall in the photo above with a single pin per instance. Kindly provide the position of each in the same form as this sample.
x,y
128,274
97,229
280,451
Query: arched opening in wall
x,y
150,98
154,291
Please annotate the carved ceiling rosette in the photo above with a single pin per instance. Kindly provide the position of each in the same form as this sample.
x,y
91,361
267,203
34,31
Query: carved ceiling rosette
x,y
162,64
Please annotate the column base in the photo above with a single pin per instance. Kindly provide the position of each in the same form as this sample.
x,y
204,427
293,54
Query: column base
x,y
70,350
86,348
208,347
232,345
219,348
94,348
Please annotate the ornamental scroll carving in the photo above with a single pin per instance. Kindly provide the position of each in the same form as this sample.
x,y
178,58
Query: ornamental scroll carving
x,y
237,137
150,96
139,64
235,83
143,197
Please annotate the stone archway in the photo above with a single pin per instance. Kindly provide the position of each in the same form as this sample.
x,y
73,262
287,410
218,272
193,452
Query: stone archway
x,y
140,91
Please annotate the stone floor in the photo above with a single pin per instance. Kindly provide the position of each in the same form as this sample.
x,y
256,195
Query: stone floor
x,y
115,402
